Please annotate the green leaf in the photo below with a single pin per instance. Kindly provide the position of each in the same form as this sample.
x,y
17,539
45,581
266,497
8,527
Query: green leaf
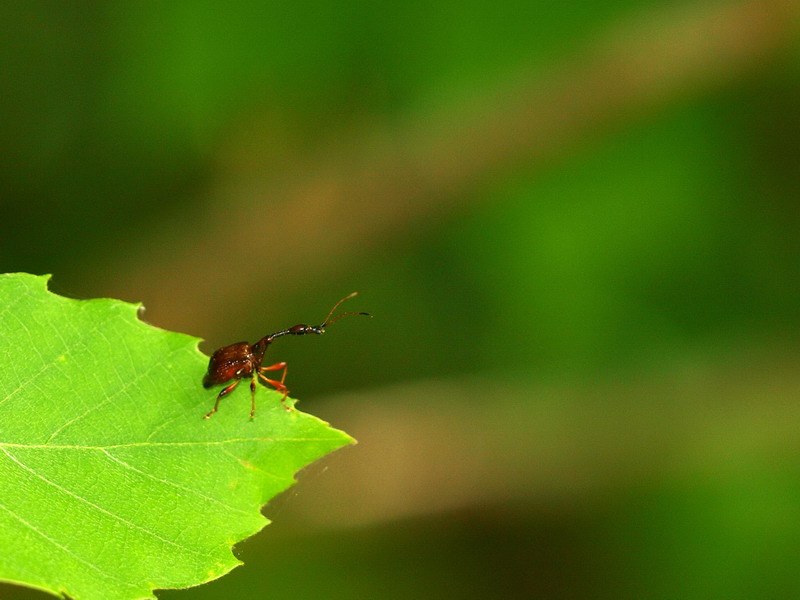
x,y
113,484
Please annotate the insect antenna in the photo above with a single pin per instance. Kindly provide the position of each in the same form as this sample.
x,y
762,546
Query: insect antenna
x,y
328,319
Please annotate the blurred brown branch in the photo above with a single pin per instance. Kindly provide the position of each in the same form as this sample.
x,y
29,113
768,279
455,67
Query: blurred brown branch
x,y
360,192
424,449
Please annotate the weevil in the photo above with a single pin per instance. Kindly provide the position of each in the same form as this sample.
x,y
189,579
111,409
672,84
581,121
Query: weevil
x,y
242,359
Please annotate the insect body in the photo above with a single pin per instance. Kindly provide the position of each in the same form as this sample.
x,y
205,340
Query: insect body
x,y
242,359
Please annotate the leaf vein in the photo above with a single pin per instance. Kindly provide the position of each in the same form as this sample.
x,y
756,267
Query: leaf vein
x,y
103,510
65,549
121,390
153,444
251,466
173,484
87,333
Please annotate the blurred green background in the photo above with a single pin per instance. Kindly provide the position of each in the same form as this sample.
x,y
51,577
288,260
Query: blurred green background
x,y
576,225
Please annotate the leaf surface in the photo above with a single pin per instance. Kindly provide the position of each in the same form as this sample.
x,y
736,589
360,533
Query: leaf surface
x,y
111,482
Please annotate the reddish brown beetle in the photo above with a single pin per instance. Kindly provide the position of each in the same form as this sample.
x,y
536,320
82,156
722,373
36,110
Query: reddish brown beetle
x,y
243,359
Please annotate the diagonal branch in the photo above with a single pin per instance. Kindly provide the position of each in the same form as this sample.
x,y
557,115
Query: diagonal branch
x,y
360,193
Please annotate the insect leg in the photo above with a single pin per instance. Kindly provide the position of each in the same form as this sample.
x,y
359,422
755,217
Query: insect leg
x,y
276,367
225,391
278,385
253,396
